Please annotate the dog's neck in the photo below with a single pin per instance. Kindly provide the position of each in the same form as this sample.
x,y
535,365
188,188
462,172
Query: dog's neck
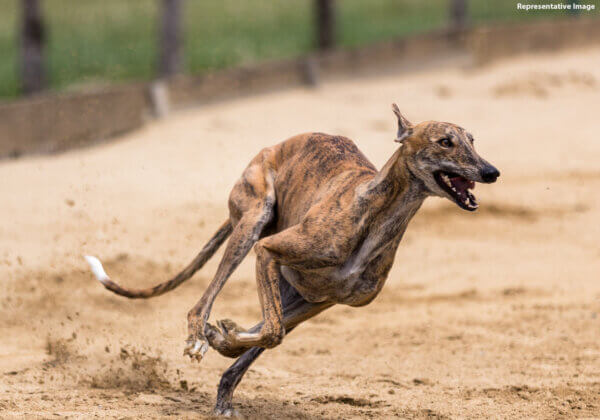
x,y
395,194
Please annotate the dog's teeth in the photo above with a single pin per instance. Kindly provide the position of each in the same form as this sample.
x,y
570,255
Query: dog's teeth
x,y
446,180
472,204
453,189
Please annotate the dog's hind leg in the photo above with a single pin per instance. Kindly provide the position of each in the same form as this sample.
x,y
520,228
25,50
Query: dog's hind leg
x,y
244,235
251,202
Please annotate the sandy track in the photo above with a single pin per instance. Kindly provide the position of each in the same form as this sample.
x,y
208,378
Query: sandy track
x,y
490,314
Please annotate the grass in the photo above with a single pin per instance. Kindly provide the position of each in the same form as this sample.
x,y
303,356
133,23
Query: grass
x,y
94,41
8,50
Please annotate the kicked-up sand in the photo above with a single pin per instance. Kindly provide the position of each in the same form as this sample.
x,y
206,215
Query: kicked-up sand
x,y
488,314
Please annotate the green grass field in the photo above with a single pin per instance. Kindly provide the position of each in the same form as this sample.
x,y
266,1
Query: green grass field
x,y
94,42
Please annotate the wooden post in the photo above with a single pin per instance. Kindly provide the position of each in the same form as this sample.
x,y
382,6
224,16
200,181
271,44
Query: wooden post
x,y
325,19
458,14
33,37
170,38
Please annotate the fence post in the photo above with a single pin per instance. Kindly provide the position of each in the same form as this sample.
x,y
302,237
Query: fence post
x,y
170,38
32,47
458,14
325,19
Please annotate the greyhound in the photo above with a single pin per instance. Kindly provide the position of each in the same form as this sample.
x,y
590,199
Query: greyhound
x,y
325,225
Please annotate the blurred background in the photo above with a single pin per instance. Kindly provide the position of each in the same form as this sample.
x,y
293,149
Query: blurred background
x,y
86,42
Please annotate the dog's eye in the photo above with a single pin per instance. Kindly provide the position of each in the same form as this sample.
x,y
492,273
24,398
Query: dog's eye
x,y
445,142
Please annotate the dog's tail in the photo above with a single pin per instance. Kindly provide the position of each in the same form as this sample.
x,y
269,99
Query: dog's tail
x,y
208,251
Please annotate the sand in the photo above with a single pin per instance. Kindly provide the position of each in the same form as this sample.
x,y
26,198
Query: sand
x,y
491,314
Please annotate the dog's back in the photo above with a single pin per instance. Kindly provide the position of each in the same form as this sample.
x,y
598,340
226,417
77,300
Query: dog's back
x,y
305,167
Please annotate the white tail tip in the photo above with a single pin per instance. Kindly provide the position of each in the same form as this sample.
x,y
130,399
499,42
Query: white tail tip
x,y
97,268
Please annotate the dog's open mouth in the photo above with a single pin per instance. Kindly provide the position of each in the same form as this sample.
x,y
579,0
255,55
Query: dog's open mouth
x,y
458,188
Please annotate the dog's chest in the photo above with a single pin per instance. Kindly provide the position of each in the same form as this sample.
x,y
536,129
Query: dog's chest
x,y
345,283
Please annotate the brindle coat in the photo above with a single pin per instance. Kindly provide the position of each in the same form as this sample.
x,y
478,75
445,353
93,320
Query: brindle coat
x,y
325,225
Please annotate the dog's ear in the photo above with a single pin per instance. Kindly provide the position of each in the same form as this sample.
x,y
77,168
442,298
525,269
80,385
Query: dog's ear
x,y
404,126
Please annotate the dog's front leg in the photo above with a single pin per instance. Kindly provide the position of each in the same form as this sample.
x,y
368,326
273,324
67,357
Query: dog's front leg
x,y
295,311
231,340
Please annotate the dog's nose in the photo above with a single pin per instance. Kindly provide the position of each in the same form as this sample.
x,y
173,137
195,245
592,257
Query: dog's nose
x,y
490,174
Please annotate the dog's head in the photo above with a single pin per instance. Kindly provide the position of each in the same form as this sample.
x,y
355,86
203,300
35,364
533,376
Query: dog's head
x,y
443,157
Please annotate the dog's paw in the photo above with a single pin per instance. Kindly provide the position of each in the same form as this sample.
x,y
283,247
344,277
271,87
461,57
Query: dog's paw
x,y
223,339
196,348
227,412
229,328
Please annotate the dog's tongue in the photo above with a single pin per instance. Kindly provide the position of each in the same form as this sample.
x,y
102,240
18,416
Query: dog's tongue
x,y
461,184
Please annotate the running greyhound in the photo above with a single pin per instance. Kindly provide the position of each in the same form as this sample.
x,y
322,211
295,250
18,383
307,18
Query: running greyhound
x,y
325,225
